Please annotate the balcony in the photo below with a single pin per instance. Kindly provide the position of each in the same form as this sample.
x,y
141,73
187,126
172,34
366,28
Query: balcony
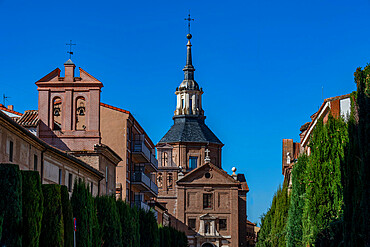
x,y
144,183
140,204
140,152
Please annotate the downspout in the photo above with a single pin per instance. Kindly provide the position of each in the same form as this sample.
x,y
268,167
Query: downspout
x,y
42,165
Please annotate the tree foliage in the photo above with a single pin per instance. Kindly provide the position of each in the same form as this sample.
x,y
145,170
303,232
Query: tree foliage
x,y
11,205
67,217
273,223
148,229
84,212
294,225
52,230
129,219
109,221
32,207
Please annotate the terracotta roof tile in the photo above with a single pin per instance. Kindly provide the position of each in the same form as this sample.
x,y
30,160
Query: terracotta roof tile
x,y
3,108
30,118
114,108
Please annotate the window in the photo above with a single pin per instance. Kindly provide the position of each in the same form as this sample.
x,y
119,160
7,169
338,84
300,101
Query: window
x,y
70,182
159,180
193,162
91,187
164,159
222,224
207,201
60,176
10,151
190,106
35,162
191,223
207,228
169,180
182,103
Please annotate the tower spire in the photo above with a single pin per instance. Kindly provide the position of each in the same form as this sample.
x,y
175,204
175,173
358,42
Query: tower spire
x,y
189,68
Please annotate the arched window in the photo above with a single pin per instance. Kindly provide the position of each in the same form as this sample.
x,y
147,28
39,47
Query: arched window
x,y
169,181
164,159
159,180
57,113
80,113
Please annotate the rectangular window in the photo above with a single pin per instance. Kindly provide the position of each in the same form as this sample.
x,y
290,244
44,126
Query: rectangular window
x,y
70,182
91,187
35,162
222,224
190,106
60,176
193,162
207,201
182,103
191,223
10,151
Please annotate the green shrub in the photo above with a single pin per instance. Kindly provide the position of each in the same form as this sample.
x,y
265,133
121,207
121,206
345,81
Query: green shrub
x,y
109,221
11,205
52,230
32,206
67,217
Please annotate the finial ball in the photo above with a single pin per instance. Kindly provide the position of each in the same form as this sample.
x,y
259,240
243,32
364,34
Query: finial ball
x,y
188,36
233,169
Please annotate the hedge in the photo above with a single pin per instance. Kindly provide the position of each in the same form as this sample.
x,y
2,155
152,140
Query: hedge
x,y
32,206
52,231
11,205
67,217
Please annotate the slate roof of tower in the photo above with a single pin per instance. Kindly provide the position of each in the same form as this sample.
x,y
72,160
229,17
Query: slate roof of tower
x,y
187,129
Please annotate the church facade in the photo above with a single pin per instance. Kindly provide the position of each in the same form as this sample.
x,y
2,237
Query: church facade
x,y
201,198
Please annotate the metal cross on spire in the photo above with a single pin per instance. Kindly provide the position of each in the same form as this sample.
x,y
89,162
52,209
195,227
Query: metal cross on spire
x,y
70,52
189,20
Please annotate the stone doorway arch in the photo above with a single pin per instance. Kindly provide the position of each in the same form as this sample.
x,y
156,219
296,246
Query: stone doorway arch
x,y
207,245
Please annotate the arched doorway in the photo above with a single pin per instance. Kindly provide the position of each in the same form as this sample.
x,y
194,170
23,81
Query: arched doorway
x,y
207,245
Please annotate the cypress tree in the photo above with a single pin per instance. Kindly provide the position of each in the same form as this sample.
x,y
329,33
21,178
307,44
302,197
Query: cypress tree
x,y
67,217
83,211
324,191
148,229
32,206
52,230
297,201
11,205
109,221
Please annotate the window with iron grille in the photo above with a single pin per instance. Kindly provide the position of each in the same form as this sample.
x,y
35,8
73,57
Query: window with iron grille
x,y
222,224
191,223
207,201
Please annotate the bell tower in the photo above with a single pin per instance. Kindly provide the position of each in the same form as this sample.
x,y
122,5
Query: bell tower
x,y
69,109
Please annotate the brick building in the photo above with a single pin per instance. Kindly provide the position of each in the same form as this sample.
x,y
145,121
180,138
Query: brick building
x,y
201,198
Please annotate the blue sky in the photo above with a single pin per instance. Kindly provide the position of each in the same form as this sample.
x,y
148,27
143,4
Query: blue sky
x,y
262,65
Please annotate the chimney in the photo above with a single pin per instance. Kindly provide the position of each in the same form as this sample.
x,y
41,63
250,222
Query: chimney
x,y
69,67
11,107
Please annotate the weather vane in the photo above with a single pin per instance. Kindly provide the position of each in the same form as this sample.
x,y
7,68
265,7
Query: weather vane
x,y
189,19
70,52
